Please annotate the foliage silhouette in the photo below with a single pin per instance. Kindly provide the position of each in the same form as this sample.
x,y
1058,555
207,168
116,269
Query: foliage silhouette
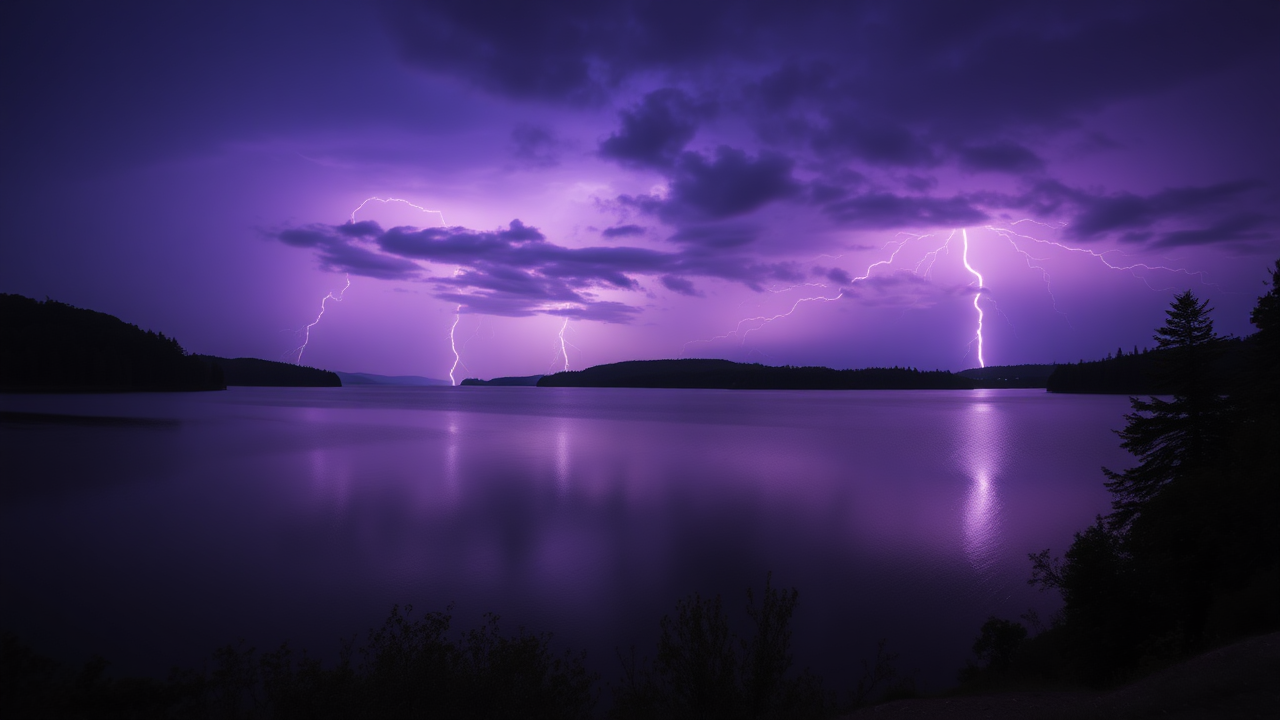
x,y
1187,558
252,372
408,668
704,670
52,347
997,642
1174,438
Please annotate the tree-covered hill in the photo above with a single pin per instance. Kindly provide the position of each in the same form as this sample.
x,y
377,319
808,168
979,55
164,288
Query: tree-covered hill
x,y
252,372
728,375
1010,376
520,381
1143,372
54,347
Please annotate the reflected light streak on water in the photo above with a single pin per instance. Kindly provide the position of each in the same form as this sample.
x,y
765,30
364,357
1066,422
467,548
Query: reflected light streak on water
x,y
562,459
982,450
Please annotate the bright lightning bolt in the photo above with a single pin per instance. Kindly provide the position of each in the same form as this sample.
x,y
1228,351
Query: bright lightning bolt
x,y
924,267
453,344
397,200
932,256
457,312
892,256
1101,257
1031,263
457,359
965,233
563,350
561,356
761,320
307,331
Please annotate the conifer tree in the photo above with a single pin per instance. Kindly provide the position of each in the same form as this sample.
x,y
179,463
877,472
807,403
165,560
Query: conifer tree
x,y
1173,438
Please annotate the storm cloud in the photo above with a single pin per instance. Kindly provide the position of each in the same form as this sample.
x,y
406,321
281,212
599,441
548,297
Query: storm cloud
x,y
515,271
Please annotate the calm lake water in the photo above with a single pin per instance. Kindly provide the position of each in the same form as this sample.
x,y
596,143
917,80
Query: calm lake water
x,y
267,514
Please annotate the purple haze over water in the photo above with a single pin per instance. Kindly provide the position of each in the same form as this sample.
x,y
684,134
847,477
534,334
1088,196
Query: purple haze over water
x,y
304,514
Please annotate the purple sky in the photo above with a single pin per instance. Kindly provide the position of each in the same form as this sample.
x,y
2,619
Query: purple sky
x,y
651,179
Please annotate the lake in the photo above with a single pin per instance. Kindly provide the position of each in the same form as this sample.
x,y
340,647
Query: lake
x,y
267,514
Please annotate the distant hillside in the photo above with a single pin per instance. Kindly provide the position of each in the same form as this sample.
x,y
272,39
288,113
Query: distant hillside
x,y
524,381
1010,376
53,347
1141,373
253,372
742,376
371,379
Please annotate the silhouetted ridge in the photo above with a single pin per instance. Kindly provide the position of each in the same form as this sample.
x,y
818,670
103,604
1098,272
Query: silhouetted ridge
x,y
268,373
1142,372
1010,376
728,375
523,381
53,347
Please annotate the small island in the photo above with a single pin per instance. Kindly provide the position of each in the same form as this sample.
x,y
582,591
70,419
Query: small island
x,y
520,381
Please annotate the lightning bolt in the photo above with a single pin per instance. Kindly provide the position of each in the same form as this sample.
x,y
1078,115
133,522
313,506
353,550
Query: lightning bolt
x,y
965,233
457,312
563,350
1102,257
1031,263
760,321
453,343
932,255
307,331
457,359
397,200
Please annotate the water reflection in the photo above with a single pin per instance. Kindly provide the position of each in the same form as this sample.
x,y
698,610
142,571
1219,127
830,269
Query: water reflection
x,y
562,459
983,450
585,513
452,474
330,476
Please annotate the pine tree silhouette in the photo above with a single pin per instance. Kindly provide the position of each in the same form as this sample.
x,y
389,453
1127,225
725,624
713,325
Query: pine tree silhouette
x,y
1173,438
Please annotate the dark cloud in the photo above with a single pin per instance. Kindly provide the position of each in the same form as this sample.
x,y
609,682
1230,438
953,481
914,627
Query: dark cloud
x,y
1102,214
1238,228
838,276
1005,157
885,210
875,143
883,83
515,271
654,132
578,51
513,48
791,83
535,145
715,236
728,184
1222,212
822,193
337,253
618,231
362,229
680,285
919,183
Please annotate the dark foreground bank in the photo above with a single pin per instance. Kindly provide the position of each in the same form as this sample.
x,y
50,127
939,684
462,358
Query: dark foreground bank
x,y
1241,680
414,667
